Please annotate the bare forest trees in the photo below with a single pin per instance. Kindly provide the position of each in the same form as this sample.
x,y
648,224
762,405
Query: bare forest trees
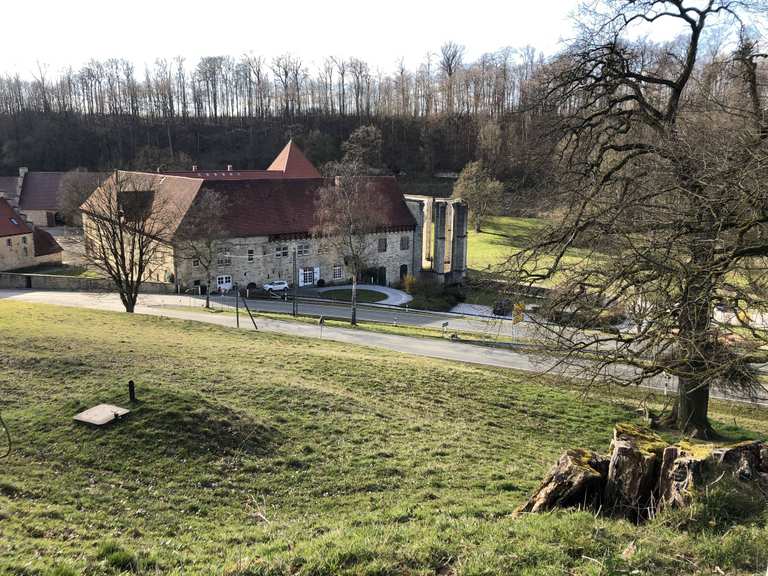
x,y
348,213
664,178
220,87
126,228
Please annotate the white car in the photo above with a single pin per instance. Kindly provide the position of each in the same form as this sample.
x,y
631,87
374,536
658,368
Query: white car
x,y
276,286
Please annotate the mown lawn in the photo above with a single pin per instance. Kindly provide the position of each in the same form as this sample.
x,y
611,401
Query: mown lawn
x,y
252,453
345,295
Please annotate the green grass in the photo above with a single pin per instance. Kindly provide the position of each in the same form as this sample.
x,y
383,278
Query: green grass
x,y
500,238
253,453
61,270
345,295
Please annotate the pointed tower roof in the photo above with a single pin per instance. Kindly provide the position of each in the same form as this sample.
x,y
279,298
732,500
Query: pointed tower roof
x,y
293,164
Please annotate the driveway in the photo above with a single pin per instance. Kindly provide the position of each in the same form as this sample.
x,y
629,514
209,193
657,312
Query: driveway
x,y
394,297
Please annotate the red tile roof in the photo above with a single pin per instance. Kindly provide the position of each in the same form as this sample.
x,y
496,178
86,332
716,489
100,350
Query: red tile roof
x,y
293,164
281,207
45,243
40,191
11,224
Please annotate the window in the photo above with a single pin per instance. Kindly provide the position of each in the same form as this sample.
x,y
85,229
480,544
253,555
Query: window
x,y
338,272
195,262
307,276
281,252
225,258
264,250
382,244
303,250
250,255
14,222
24,240
9,242
26,251
405,242
223,280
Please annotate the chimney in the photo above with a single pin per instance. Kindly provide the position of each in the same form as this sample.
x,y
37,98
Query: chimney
x,y
23,171
194,167
229,167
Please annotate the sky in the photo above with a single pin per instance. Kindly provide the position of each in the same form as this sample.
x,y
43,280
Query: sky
x,y
61,33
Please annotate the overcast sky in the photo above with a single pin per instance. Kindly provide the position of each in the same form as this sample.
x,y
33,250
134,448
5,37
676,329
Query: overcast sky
x,y
61,33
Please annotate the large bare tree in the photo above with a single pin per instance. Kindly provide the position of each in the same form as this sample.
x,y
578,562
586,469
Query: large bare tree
x,y
126,228
348,213
665,181
201,238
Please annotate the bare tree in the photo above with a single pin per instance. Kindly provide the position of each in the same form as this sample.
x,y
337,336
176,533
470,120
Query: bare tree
x,y
451,55
75,188
482,193
126,228
666,185
201,238
348,213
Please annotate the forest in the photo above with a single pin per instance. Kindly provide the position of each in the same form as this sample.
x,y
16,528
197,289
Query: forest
x,y
241,110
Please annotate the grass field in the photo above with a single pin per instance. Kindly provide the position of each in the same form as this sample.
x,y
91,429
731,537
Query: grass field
x,y
253,454
345,295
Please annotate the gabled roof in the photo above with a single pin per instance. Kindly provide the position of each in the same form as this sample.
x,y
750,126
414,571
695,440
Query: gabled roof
x,y
293,164
288,206
173,195
45,244
40,191
11,224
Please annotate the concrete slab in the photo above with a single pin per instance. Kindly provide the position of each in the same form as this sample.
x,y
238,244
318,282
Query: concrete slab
x,y
101,414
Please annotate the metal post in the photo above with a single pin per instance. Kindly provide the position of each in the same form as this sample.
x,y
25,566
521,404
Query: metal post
x,y
131,391
295,284
237,305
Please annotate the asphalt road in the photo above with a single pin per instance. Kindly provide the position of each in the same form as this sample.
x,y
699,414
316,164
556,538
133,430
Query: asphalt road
x,y
158,305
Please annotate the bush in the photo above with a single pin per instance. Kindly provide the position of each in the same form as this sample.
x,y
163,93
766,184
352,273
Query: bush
x,y
429,295
320,283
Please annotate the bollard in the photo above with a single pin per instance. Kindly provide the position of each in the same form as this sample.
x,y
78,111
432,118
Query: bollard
x,y
131,391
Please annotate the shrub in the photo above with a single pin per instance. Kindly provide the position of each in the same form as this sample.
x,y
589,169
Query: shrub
x,y
320,283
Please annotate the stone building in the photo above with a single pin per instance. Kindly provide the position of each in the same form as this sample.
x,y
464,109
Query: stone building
x,y
441,235
270,216
21,243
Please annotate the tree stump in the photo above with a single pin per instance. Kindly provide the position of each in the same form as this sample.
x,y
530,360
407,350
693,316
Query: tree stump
x,y
577,478
635,456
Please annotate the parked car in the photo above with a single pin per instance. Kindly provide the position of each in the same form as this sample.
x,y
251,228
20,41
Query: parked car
x,y
276,286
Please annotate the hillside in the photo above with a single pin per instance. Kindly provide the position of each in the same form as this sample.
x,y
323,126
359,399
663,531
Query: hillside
x,y
261,454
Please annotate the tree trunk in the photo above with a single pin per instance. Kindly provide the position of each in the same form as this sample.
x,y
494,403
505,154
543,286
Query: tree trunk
x,y
353,319
693,387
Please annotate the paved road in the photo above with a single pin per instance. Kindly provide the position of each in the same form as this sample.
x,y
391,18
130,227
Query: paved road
x,y
157,305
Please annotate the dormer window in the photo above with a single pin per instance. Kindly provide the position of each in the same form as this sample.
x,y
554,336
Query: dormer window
x,y
14,222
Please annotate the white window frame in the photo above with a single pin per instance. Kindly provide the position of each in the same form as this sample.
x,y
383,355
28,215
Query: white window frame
x,y
281,251
338,271
308,273
224,258
223,279
302,250
251,255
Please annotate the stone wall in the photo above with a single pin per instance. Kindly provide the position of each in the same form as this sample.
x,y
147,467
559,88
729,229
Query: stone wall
x,y
16,281
40,217
17,251
267,263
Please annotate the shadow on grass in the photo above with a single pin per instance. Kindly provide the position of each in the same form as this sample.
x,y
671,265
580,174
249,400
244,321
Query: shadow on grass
x,y
171,424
